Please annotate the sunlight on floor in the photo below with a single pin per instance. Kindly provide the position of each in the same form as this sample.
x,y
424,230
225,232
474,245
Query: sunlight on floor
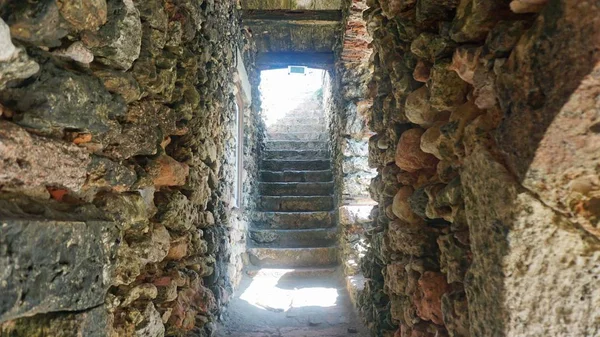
x,y
265,292
286,91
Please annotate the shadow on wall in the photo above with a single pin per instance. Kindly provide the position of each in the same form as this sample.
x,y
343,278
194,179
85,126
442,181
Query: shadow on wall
x,y
530,202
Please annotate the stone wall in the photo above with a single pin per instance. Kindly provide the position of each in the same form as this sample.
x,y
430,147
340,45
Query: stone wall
x,y
486,146
117,143
348,120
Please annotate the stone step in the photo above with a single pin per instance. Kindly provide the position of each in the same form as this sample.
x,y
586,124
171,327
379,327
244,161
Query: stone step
x,y
302,127
296,145
294,238
303,136
296,176
293,188
310,119
293,257
293,220
295,165
294,203
293,273
296,154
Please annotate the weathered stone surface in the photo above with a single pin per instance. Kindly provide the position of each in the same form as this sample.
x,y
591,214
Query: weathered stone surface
x,y
401,206
175,211
446,89
36,161
83,14
152,325
431,138
454,258
147,122
503,37
105,173
413,239
422,71
76,52
417,108
93,323
154,247
450,146
14,62
548,265
475,18
456,314
429,298
71,259
45,102
193,300
550,127
409,155
527,6
120,83
39,23
431,47
166,171
432,11
117,44
465,61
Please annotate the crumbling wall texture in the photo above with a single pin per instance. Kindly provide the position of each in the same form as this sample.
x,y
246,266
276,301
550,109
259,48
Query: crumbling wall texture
x,y
487,147
116,169
348,124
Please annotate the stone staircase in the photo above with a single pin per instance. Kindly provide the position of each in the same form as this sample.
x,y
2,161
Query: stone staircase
x,y
294,227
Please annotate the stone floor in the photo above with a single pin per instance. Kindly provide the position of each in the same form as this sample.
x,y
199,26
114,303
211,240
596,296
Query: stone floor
x,y
291,303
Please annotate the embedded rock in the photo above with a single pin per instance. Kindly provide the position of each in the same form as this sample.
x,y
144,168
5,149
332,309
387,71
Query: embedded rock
x,y
117,44
401,206
527,6
105,173
475,18
465,61
152,325
95,322
431,47
121,83
76,52
71,259
83,14
45,103
409,155
456,314
413,239
38,23
417,108
14,62
175,211
431,138
432,286
166,171
447,90
37,161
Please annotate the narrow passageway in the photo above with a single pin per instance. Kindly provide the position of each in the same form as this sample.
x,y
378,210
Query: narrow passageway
x,y
293,285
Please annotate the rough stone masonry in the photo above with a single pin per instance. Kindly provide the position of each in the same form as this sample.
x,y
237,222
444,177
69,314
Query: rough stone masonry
x,y
117,164
487,147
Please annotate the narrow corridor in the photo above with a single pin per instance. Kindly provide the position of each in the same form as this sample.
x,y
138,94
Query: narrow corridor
x,y
293,285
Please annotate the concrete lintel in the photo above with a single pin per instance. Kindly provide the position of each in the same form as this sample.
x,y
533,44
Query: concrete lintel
x,y
292,4
284,59
293,15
